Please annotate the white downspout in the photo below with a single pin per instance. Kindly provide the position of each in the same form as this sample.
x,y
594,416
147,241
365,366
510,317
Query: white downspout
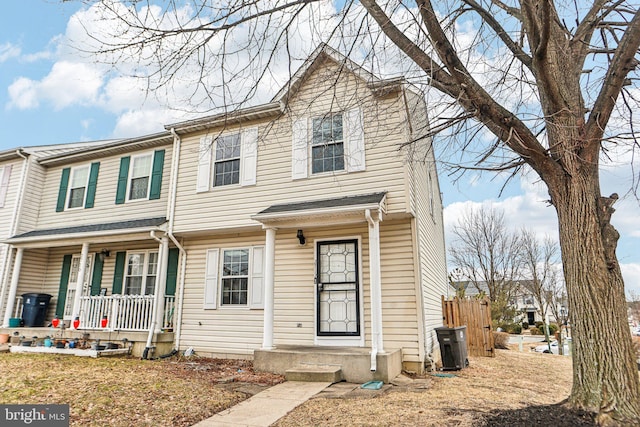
x,y
163,254
17,207
175,162
374,291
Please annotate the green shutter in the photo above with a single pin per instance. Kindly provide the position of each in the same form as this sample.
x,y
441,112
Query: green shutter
x,y
156,174
118,274
93,182
64,281
62,192
172,271
96,278
123,176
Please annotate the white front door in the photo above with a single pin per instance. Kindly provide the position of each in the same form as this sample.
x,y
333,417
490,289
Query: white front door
x,y
338,290
73,280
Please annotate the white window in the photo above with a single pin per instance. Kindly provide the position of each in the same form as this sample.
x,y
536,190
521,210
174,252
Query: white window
x,y
226,165
140,177
327,144
230,159
234,282
234,277
78,187
335,142
140,273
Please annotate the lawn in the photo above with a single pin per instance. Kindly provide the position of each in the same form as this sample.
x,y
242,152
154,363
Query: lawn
x,y
511,389
126,391
177,392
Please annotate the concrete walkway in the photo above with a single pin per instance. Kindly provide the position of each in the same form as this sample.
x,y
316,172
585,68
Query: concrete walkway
x,y
266,407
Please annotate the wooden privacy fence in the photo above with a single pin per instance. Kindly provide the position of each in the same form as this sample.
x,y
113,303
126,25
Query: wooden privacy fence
x,y
475,314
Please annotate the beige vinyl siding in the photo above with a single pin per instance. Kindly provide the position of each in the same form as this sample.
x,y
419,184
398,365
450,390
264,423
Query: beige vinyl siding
x,y
105,209
32,194
238,331
224,330
432,252
234,204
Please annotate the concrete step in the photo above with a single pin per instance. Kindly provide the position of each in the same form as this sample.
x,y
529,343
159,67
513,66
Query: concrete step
x,y
315,373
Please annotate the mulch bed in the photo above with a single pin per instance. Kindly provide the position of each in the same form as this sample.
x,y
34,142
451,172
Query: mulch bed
x,y
545,415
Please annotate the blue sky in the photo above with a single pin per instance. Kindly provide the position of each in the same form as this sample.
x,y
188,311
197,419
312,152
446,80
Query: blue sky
x,y
50,96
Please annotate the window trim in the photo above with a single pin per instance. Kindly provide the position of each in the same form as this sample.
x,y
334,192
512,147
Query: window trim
x,y
130,176
67,199
255,279
145,268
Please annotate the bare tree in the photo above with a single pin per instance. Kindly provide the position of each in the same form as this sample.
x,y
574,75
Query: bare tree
x,y
555,92
538,270
489,257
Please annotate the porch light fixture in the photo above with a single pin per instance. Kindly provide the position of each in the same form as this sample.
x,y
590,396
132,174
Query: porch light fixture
x,y
104,321
301,237
104,254
76,322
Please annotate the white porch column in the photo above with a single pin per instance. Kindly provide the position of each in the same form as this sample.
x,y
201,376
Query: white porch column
x,y
375,281
161,283
82,270
269,268
13,288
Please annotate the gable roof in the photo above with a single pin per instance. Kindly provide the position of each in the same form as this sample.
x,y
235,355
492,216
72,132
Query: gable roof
x,y
277,105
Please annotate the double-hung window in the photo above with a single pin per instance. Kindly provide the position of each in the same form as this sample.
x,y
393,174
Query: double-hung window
x,y
226,169
139,180
235,277
140,273
327,144
78,187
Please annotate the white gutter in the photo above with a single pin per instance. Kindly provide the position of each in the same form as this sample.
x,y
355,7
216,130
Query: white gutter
x,y
175,162
17,208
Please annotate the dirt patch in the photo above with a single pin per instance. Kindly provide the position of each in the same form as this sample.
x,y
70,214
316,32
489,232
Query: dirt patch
x,y
127,391
510,389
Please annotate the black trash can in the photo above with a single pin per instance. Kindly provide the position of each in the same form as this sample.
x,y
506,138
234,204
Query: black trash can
x,y
453,347
34,309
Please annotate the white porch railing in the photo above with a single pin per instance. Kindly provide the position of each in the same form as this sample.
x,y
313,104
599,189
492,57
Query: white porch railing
x,y
17,307
124,312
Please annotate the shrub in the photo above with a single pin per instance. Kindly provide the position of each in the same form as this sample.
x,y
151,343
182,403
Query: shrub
x,y
514,328
525,325
540,325
552,329
535,331
501,340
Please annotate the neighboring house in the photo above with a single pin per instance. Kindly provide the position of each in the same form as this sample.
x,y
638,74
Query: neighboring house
x,y
91,243
308,226
525,304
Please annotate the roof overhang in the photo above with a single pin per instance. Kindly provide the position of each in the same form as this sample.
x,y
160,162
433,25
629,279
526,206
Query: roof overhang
x,y
13,154
117,147
96,233
260,112
342,210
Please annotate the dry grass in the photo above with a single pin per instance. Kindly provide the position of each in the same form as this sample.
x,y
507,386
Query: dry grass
x,y
125,391
511,380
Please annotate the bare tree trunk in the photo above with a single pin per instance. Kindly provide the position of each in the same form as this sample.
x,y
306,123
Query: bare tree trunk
x,y
605,375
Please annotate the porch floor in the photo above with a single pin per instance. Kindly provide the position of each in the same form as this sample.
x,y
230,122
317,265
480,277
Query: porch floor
x,y
163,342
354,362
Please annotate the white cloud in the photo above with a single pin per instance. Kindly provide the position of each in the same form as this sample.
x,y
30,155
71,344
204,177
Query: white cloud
x,y
23,94
8,51
631,275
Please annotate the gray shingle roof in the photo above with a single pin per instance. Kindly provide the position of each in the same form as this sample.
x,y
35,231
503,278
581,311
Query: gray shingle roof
x,y
364,199
121,225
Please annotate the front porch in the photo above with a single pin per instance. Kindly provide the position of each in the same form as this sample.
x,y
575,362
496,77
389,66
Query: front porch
x,y
353,363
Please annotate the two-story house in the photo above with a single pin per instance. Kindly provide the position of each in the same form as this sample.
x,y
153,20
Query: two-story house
x,y
92,244
313,221
293,232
